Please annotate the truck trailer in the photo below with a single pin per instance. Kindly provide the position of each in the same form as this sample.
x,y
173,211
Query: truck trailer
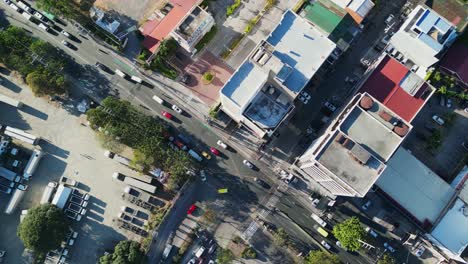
x,y
140,184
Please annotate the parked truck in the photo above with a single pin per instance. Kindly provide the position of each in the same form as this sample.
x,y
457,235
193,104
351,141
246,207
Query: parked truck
x,y
14,201
140,184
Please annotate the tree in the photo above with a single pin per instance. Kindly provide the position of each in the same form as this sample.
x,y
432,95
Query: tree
x,y
321,257
125,252
62,7
386,259
44,228
224,256
280,237
249,253
349,233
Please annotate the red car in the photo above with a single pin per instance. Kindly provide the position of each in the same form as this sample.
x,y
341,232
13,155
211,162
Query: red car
x,y
166,115
214,151
191,209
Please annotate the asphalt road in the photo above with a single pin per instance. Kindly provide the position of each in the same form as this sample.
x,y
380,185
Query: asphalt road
x,y
243,194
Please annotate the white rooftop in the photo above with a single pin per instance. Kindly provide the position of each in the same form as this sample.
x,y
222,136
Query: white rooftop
x,y
414,186
361,7
452,230
423,35
297,45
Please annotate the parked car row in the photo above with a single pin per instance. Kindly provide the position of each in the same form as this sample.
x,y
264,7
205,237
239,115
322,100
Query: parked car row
x,y
61,254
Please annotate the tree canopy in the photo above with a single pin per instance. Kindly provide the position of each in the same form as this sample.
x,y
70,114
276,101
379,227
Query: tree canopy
x,y
145,134
41,63
44,228
386,259
349,233
125,252
62,7
321,257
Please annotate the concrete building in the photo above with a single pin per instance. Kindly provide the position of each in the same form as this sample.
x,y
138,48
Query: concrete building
x,y
397,87
350,156
414,188
184,20
423,38
260,94
450,233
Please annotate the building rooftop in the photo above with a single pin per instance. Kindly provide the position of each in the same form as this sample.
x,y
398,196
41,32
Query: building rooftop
x,y
301,46
159,28
456,61
366,137
398,88
423,35
263,87
415,187
452,230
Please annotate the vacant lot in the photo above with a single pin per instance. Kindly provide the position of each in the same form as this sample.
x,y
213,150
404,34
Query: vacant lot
x,y
72,150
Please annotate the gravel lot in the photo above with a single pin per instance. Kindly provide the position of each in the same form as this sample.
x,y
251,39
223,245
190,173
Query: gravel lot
x,y
72,150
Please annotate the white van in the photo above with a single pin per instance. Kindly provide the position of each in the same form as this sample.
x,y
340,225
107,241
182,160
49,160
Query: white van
x,y
46,28
318,220
195,155
120,73
200,252
26,15
25,7
157,99
136,79
14,7
48,192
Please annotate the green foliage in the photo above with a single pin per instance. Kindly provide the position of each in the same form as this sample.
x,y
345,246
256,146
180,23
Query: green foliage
x,y
208,76
156,218
62,7
44,228
142,133
386,259
321,257
249,253
433,143
125,252
110,143
23,53
237,240
232,8
349,232
437,76
224,256
280,237
251,24
214,110
207,38
442,90
270,4
167,47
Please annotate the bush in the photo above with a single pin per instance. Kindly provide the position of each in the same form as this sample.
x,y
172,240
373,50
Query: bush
x,y
280,237
224,256
126,251
44,228
349,232
208,76
249,253
207,38
232,8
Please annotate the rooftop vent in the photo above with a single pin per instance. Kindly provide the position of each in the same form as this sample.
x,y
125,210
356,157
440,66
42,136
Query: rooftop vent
x,y
360,154
366,102
401,129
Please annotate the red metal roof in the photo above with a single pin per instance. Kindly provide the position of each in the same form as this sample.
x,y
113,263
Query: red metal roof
x,y
384,85
156,32
456,60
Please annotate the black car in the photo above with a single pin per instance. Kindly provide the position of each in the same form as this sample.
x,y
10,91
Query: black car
x,y
262,183
185,78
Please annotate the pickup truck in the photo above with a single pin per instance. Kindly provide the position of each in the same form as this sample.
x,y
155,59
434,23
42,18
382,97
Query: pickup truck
x,y
68,181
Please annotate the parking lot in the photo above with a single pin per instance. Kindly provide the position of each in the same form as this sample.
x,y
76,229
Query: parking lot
x,y
448,157
72,150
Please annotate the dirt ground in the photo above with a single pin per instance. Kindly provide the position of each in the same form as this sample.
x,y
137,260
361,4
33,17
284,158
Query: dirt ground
x,y
137,10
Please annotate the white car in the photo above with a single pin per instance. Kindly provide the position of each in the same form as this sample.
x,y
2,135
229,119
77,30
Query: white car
x,y
66,34
67,181
389,19
203,175
177,109
248,164
325,244
420,251
221,144
438,120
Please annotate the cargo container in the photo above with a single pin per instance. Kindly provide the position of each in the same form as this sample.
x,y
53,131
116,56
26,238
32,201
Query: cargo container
x,y
14,201
140,184
7,174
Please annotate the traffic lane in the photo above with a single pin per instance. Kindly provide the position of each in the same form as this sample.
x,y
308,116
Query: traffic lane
x,y
295,210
